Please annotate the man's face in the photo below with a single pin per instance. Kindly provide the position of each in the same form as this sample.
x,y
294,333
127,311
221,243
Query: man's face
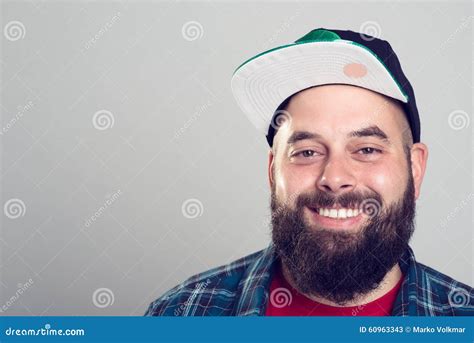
x,y
343,191
341,158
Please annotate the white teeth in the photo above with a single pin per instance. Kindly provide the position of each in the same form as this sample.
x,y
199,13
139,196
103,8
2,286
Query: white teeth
x,y
341,213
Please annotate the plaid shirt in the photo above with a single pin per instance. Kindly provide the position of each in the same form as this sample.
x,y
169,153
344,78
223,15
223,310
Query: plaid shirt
x,y
241,289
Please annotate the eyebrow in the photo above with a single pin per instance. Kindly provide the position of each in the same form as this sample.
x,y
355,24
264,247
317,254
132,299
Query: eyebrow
x,y
301,136
370,131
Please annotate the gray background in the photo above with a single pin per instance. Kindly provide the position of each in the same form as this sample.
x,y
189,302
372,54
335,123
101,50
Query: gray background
x,y
178,134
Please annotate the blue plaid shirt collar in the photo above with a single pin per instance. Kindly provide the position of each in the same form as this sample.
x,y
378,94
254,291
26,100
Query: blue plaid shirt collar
x,y
241,288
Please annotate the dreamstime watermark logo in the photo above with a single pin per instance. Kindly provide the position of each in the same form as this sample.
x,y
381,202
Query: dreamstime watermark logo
x,y
192,30
22,287
14,30
107,26
281,297
103,120
454,212
459,297
198,113
370,207
198,287
459,29
283,27
279,118
47,330
370,30
458,120
21,110
97,214
103,297
192,208
357,310
14,208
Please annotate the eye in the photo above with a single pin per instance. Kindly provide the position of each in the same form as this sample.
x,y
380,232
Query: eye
x,y
306,153
369,151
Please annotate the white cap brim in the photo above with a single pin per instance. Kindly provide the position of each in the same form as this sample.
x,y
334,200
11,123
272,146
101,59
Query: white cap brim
x,y
262,83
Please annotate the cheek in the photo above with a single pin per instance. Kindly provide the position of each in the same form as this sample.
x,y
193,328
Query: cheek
x,y
381,180
388,182
290,182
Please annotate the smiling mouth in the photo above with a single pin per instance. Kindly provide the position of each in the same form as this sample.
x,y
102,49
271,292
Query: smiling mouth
x,y
337,212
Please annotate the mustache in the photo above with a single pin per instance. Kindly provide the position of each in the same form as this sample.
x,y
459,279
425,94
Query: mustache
x,y
347,200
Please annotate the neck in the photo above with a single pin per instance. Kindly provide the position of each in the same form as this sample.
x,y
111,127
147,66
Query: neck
x,y
389,281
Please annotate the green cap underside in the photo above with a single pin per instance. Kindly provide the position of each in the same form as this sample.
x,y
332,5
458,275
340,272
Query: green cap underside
x,y
322,36
319,35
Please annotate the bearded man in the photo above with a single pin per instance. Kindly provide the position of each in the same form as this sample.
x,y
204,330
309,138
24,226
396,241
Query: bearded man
x,y
345,169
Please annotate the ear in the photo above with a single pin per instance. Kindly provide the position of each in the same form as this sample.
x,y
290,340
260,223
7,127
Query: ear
x,y
419,158
270,167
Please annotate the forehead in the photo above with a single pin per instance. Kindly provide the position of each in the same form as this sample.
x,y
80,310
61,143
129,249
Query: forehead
x,y
335,110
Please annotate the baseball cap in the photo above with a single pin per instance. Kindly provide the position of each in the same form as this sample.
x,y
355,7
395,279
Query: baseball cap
x,y
262,83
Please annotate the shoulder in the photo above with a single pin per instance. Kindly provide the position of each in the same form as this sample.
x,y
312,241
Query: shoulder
x,y
449,297
208,293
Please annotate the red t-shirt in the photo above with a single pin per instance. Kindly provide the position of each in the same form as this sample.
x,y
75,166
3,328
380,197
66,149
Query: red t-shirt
x,y
285,300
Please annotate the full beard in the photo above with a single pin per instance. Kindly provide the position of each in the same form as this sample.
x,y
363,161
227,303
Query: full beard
x,y
338,265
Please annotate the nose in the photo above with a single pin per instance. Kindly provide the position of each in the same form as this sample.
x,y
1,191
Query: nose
x,y
336,176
